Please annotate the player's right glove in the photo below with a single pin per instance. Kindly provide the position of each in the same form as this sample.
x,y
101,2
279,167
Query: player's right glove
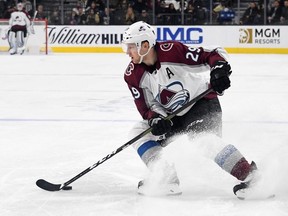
x,y
159,125
219,76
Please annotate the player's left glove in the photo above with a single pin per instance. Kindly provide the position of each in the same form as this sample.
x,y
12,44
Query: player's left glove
x,y
160,126
219,76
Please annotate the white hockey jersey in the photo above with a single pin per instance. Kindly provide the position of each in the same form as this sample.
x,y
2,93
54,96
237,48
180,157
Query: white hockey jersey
x,y
173,80
19,20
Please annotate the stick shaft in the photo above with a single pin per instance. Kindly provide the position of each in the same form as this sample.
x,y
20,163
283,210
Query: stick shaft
x,y
130,142
136,138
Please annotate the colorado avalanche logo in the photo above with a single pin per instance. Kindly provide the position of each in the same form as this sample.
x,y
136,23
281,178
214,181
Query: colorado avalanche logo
x,y
173,96
142,28
166,47
129,69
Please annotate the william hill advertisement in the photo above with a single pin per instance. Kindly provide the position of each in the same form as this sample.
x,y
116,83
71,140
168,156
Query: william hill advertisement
x,y
78,35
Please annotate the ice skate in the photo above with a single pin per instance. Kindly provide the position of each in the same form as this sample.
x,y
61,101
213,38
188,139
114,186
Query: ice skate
x,y
254,186
21,50
164,182
168,189
12,52
241,190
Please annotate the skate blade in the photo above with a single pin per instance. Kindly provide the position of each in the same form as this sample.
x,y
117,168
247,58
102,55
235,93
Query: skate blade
x,y
243,195
170,190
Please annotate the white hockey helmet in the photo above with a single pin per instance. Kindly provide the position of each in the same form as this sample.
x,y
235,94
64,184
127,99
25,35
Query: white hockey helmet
x,y
20,6
137,33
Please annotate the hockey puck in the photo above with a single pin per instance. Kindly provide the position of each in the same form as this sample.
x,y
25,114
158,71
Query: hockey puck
x,y
67,188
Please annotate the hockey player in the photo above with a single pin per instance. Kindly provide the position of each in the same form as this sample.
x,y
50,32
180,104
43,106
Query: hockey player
x,y
163,76
19,28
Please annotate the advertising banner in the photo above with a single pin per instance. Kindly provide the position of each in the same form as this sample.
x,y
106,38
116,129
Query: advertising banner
x,y
235,39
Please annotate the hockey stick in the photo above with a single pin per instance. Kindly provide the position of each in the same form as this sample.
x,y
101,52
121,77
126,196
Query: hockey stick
x,y
45,185
33,20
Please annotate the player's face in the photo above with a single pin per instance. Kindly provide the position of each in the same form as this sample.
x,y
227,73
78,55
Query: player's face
x,y
19,7
132,51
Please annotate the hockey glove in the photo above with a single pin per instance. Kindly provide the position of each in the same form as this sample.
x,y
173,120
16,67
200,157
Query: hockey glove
x,y
219,76
160,126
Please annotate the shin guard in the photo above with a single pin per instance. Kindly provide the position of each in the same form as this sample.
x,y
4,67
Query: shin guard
x,y
233,162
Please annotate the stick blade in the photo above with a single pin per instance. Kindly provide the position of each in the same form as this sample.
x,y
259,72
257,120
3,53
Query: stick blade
x,y
43,184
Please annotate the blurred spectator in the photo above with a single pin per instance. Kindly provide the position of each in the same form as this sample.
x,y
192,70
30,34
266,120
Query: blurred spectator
x,y
81,16
260,16
160,11
269,4
185,5
189,14
130,16
73,19
41,14
139,5
28,7
123,4
197,3
93,18
275,13
149,4
3,8
144,16
216,10
95,8
226,16
54,19
159,7
106,17
113,4
224,13
250,15
82,4
11,7
100,5
200,15
177,4
119,12
90,19
284,14
173,16
118,16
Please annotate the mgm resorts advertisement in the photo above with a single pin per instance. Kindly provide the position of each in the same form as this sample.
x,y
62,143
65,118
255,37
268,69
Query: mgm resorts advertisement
x,y
236,39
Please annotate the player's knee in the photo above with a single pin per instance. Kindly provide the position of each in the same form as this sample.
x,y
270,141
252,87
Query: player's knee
x,y
138,128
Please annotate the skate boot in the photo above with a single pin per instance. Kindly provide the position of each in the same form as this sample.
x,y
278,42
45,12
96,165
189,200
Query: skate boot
x,y
12,51
21,50
158,185
240,190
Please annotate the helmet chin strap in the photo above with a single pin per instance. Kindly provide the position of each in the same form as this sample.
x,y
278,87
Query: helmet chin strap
x,y
142,56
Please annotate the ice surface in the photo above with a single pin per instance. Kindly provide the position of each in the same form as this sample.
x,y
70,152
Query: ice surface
x,y
59,114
